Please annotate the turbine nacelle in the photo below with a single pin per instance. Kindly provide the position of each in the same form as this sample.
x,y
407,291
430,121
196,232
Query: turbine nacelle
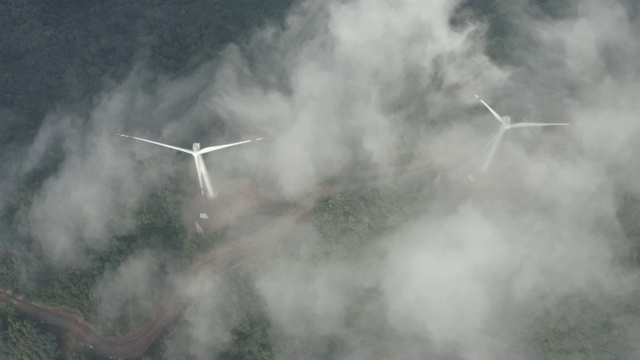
x,y
506,124
201,168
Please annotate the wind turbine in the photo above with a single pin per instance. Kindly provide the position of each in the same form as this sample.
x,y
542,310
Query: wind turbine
x,y
505,124
203,175
199,229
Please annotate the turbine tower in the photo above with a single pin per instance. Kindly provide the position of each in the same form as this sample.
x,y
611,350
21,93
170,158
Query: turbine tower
x,y
203,175
505,124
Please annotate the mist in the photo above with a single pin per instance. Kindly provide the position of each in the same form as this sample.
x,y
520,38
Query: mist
x,y
352,86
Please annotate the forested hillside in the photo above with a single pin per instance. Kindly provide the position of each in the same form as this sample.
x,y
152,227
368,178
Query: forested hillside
x,y
60,56
60,53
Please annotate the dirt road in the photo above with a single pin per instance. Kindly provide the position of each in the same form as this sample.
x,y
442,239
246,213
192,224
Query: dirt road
x,y
136,343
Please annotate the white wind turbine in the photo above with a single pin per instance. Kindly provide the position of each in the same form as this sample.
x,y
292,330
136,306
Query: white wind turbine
x,y
203,175
505,124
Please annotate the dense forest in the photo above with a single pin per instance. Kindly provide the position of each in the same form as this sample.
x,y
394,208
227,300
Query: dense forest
x,y
60,54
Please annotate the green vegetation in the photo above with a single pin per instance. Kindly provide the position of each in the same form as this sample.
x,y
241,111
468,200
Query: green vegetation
x,y
505,33
21,338
8,273
350,218
58,53
250,340
68,288
629,217
579,328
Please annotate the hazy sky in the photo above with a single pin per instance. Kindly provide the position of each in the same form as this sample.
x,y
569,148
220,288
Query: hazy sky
x,y
351,84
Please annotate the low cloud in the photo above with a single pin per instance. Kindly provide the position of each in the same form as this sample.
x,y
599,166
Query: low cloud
x,y
355,85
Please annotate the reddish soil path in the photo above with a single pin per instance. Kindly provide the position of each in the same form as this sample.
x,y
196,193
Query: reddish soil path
x,y
123,347
136,343
240,249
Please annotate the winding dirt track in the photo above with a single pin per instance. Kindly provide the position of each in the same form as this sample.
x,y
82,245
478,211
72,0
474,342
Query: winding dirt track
x,y
124,347
136,343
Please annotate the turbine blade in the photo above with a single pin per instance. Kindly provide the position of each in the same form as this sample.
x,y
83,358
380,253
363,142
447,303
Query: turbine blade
x,y
157,143
199,229
521,125
438,179
211,194
199,170
214,148
492,152
493,138
497,116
